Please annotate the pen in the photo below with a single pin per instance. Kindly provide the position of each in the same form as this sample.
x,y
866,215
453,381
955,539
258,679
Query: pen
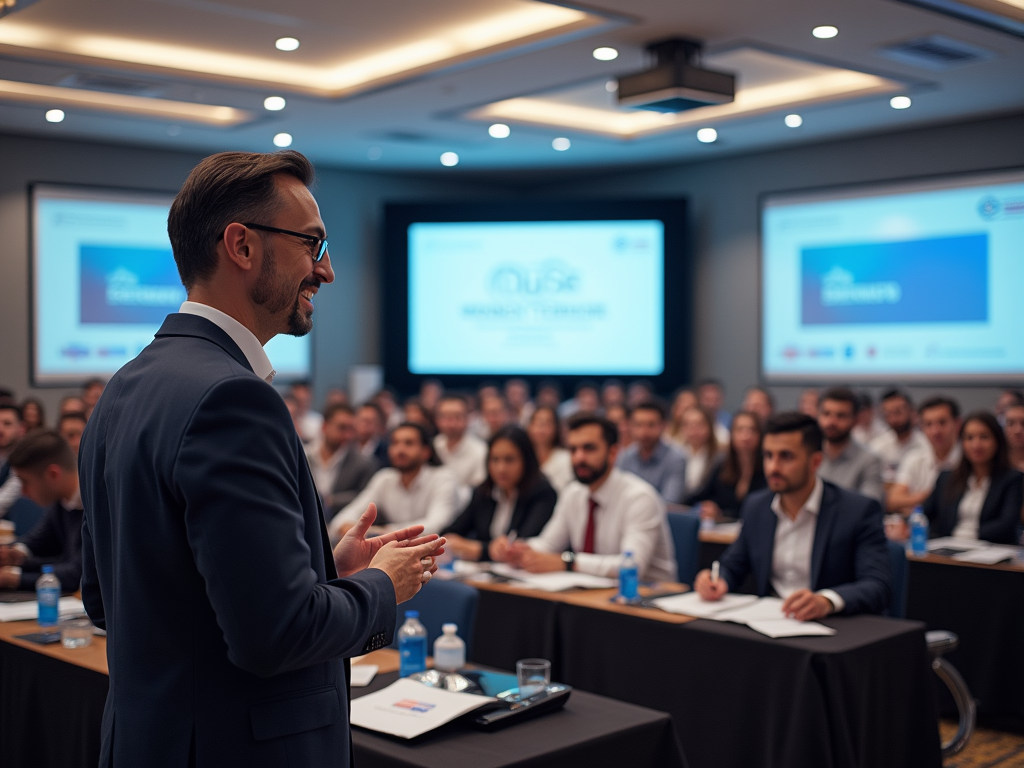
x,y
714,572
512,537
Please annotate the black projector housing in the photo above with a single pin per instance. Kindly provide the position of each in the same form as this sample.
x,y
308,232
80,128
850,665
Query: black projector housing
x,y
676,83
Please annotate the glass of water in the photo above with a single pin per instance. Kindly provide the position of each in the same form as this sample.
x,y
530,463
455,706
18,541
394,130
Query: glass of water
x,y
534,675
76,632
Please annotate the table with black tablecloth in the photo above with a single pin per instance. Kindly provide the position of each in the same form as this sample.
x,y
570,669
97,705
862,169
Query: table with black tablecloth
x,y
863,698
984,606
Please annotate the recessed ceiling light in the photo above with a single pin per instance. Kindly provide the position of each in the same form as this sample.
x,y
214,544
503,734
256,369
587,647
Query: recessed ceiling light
x,y
274,103
707,135
794,121
374,153
561,144
605,53
899,102
449,159
611,86
499,131
286,44
283,140
825,32
54,115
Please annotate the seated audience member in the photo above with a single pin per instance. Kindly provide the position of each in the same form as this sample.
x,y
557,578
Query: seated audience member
x,y
981,498
549,394
585,401
370,431
71,426
809,403
72,404
517,395
409,492
900,438
650,458
917,473
307,421
606,513
612,394
760,403
711,397
845,463
336,396
1014,431
49,477
385,400
1008,398
414,412
494,413
339,470
545,431
91,391
683,401
11,431
869,426
431,392
464,454
32,415
514,499
700,445
817,546
740,473
639,391
619,416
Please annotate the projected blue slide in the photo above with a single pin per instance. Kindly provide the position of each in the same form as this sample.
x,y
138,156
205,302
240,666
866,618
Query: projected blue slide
x,y
128,285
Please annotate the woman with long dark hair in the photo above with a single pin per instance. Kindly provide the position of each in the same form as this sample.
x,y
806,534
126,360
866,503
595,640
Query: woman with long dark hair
x,y
740,474
515,498
545,431
981,498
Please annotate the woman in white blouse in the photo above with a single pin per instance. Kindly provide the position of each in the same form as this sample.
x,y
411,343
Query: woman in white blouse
x,y
545,431
981,498
700,446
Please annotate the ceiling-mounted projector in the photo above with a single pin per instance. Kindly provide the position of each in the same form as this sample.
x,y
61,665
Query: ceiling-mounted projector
x,y
675,83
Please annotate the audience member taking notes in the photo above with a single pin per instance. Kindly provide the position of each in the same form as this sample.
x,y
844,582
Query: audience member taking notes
x,y
917,473
605,513
820,548
650,458
845,463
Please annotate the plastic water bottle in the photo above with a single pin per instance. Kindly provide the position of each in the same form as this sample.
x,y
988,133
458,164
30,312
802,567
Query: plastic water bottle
x,y
918,532
412,645
449,650
629,578
48,595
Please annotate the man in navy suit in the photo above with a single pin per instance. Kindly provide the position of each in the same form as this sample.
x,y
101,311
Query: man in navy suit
x,y
205,555
820,548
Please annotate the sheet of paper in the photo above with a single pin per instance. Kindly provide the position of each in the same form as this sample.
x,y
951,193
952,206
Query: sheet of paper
x,y
363,674
789,628
692,604
729,528
556,581
967,545
408,709
68,606
988,555
759,609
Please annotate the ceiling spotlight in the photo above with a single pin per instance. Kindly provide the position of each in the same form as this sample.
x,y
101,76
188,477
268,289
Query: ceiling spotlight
x,y
707,135
55,115
283,140
274,103
605,54
449,159
794,121
899,102
611,86
561,144
374,153
499,131
826,32
286,44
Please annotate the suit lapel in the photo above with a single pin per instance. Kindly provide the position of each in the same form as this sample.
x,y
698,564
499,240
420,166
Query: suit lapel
x,y
822,531
763,573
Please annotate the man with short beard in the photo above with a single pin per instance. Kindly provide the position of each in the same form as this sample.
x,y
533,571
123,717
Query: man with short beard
x,y
845,463
901,438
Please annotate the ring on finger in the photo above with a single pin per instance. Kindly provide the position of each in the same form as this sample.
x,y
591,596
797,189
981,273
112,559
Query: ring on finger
x,y
426,576
426,562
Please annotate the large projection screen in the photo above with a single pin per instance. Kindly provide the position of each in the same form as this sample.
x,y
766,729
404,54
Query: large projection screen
x,y
917,281
103,279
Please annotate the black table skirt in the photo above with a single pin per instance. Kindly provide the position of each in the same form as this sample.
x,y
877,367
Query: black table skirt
x,y
863,698
985,607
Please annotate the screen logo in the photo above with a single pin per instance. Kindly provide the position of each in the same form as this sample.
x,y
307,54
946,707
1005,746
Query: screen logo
x,y
547,278
128,285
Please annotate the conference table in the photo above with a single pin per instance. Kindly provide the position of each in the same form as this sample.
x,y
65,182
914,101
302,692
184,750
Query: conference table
x,y
51,707
862,698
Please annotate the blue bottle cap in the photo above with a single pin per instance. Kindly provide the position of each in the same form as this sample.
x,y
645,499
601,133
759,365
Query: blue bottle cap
x,y
412,614
47,569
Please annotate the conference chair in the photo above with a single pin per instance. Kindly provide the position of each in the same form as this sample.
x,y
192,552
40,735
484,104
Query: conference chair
x,y
685,528
443,602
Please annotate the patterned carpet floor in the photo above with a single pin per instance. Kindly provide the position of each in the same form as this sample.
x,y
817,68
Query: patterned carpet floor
x,y
987,749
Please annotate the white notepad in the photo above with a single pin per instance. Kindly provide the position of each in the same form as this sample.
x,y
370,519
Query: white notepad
x,y
363,674
692,604
408,708
68,606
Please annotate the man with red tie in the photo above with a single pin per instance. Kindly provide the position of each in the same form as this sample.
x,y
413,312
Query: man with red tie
x,y
602,515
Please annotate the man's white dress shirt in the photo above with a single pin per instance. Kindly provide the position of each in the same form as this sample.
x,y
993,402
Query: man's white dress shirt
x,y
242,336
467,461
794,544
891,451
630,517
430,500
920,468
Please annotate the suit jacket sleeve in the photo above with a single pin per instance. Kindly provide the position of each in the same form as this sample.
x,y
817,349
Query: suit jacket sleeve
x,y
1002,528
675,486
91,597
237,472
871,589
465,523
540,506
735,564
933,504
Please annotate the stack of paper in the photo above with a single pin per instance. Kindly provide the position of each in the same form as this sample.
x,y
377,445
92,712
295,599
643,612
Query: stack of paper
x,y
407,708
763,615
988,555
555,581
692,604
68,606
363,674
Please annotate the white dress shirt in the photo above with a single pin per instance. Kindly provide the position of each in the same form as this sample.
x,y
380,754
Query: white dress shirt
x,y
467,461
794,544
558,469
630,517
891,451
920,468
968,513
697,465
504,507
429,501
242,336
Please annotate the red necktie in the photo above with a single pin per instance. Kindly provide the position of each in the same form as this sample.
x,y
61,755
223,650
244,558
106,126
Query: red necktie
x,y
588,539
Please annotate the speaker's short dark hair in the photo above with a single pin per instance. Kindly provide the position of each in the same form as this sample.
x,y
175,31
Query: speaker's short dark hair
x,y
39,449
793,421
650,404
937,401
842,395
225,188
609,431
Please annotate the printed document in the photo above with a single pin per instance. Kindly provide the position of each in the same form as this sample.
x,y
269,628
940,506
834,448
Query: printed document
x,y
408,708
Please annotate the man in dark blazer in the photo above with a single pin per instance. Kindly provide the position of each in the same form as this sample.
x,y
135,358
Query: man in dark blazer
x,y
819,547
340,470
205,555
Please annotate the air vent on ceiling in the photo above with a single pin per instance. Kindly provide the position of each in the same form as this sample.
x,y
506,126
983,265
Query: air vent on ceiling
x,y
936,52
96,82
